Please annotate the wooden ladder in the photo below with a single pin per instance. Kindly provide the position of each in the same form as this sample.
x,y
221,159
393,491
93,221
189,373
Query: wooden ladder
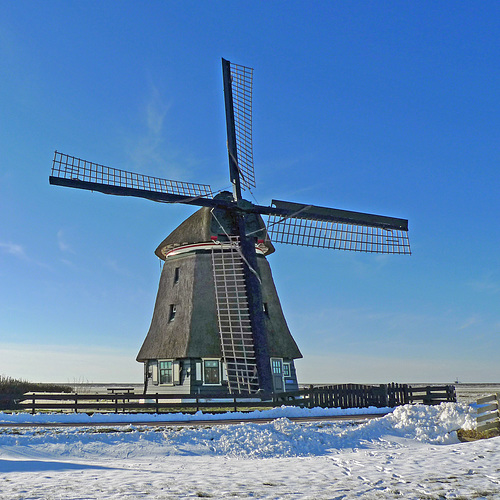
x,y
233,316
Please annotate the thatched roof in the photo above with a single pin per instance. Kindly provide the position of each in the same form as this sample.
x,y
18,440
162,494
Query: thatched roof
x,y
207,223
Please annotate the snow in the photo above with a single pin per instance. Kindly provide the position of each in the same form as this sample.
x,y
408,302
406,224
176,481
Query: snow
x,y
412,453
279,412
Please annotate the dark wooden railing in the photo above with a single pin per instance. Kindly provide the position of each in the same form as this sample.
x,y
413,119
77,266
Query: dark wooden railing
x,y
331,396
362,396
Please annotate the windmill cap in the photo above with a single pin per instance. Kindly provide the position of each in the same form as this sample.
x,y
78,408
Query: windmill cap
x,y
208,225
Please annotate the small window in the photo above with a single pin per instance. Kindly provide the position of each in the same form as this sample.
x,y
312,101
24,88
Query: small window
x,y
287,369
266,310
176,275
171,314
277,366
211,371
166,372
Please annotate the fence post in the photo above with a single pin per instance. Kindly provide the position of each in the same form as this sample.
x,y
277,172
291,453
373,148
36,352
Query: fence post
x,y
235,404
76,403
428,395
451,393
33,407
406,396
157,409
384,395
310,403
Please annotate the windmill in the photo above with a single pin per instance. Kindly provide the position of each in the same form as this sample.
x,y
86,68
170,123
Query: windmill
x,y
223,246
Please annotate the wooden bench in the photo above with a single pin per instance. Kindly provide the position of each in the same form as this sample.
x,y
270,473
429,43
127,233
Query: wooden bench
x,y
121,390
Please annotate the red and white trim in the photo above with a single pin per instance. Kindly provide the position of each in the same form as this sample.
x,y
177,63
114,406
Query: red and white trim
x,y
260,248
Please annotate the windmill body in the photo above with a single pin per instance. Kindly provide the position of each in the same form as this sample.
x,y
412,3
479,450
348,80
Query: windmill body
x,y
217,325
200,341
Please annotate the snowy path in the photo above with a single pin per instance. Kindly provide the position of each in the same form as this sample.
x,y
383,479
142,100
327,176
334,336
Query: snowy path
x,y
412,453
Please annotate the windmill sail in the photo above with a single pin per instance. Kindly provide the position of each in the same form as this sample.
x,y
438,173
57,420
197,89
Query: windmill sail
x,y
337,235
71,171
238,103
313,226
241,81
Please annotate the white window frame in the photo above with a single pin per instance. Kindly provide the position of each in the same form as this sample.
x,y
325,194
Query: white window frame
x,y
159,374
176,372
203,370
153,370
289,365
281,364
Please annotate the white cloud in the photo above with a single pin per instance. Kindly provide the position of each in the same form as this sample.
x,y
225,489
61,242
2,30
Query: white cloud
x,y
468,323
114,266
156,111
14,249
150,150
486,284
146,149
63,246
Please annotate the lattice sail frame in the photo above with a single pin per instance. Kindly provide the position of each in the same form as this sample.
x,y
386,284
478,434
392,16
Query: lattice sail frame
x,y
70,167
337,235
241,85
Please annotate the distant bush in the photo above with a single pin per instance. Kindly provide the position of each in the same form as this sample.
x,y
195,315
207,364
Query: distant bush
x,y
9,385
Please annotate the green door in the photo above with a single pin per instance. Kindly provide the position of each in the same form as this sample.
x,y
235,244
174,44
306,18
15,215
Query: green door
x,y
277,369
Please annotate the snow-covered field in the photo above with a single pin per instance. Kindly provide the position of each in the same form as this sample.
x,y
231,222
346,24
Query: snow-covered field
x,y
410,453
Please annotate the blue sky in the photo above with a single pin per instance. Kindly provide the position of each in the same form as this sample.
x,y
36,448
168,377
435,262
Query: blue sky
x,y
390,108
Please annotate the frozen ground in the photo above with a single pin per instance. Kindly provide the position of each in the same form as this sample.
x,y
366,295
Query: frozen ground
x,y
412,453
469,393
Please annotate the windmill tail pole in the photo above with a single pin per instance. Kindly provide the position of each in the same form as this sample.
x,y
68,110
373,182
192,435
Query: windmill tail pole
x,y
256,309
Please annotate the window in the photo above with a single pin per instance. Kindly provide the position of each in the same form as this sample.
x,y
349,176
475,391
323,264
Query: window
x,y
166,372
287,369
211,371
266,310
176,275
276,364
171,314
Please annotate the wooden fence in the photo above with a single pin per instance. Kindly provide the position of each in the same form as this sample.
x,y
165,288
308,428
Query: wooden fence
x,y
488,415
334,396
145,403
362,396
